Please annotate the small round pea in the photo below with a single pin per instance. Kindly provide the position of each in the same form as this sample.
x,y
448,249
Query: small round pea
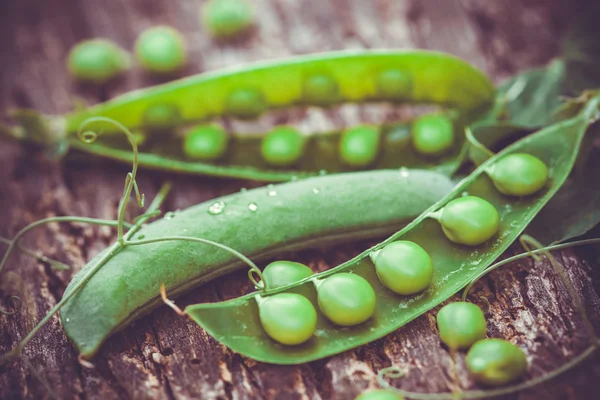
x,y
394,84
461,324
346,299
495,362
282,147
519,174
359,145
160,49
404,267
245,103
282,273
97,60
469,220
432,134
288,318
320,90
161,116
227,18
379,394
205,142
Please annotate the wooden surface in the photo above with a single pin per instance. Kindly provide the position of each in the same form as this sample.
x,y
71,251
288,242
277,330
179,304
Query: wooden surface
x,y
166,357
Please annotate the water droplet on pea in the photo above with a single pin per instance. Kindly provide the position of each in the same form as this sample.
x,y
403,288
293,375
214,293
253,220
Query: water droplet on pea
x,y
216,208
252,207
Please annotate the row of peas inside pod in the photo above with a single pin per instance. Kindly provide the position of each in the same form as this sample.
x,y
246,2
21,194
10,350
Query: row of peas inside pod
x,y
161,50
404,267
285,146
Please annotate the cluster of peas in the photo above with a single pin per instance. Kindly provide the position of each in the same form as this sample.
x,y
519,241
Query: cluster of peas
x,y
404,267
431,135
160,49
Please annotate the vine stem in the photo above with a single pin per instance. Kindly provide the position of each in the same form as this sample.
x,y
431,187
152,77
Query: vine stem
x,y
13,244
114,249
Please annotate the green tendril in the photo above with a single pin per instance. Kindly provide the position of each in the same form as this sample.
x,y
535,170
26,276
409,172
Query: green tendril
x,y
42,258
476,143
487,302
88,136
15,308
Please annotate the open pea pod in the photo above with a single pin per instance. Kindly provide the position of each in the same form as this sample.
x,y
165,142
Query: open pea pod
x,y
236,324
160,114
260,223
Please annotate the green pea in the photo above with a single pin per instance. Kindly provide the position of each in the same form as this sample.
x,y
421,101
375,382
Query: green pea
x,y
321,90
227,18
246,103
205,142
432,134
469,220
403,267
97,60
288,318
379,394
461,324
283,273
346,299
282,147
359,145
161,116
161,49
394,84
518,174
495,362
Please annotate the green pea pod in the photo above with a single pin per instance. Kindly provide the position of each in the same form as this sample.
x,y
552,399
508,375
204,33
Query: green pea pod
x,y
235,323
260,223
161,113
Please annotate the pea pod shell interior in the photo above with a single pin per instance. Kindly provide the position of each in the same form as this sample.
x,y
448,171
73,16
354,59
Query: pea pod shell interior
x,y
259,223
235,323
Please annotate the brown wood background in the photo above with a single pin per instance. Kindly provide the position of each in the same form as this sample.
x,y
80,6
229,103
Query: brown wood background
x,y
165,357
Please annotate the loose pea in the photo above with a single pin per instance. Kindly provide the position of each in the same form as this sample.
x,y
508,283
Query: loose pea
x,y
379,394
320,90
519,174
160,49
346,299
205,142
288,318
394,84
469,220
283,273
495,362
227,18
359,146
461,324
432,134
403,267
245,103
97,60
282,147
161,116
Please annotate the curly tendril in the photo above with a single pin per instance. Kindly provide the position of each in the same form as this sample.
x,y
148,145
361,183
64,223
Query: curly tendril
x,y
15,308
40,257
89,136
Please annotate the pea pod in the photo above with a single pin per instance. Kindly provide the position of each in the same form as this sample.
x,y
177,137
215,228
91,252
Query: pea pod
x,y
260,223
318,80
235,323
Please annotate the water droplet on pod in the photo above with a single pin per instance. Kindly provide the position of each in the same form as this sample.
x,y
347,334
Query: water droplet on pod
x,y
404,172
170,215
316,191
294,178
272,193
68,319
216,208
323,172
243,190
464,194
252,207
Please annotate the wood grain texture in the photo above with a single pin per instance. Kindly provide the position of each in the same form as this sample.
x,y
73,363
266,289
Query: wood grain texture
x,y
165,357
